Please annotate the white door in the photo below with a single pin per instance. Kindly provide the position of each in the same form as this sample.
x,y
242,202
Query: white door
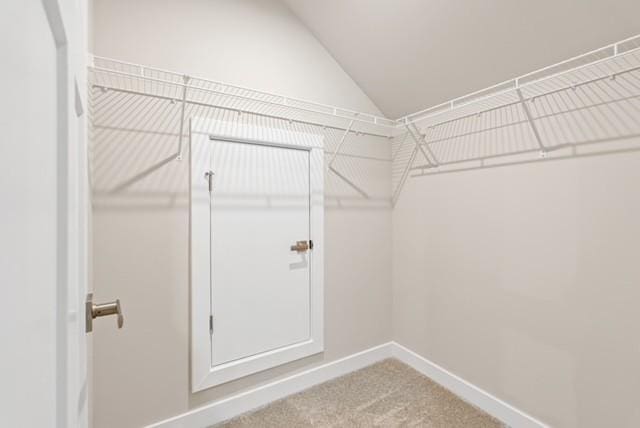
x,y
41,260
260,287
256,252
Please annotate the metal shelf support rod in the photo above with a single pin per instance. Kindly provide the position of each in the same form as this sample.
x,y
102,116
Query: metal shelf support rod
x,y
532,124
422,144
184,100
342,140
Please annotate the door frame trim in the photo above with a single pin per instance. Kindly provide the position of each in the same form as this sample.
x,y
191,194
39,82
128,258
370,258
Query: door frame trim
x,y
53,12
203,374
67,26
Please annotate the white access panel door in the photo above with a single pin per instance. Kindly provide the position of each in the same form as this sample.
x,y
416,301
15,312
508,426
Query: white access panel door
x,y
261,301
260,288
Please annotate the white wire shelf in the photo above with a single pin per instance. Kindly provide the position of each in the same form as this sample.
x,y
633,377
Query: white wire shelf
x,y
112,75
593,98
136,109
490,97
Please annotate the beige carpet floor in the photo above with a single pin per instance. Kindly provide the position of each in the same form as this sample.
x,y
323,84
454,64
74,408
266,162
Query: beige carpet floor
x,y
386,394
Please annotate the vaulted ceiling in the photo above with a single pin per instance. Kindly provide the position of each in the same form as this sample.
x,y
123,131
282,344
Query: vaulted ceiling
x,y
408,55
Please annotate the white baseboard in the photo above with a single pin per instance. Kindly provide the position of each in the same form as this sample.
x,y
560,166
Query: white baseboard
x,y
235,405
465,390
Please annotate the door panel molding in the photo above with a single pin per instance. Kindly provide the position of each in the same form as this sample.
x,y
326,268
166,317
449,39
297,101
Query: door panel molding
x,y
203,373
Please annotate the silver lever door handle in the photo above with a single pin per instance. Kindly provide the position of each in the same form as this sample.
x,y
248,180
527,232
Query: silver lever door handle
x,y
94,310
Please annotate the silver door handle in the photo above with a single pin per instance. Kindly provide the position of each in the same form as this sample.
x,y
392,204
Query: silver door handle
x,y
302,246
95,310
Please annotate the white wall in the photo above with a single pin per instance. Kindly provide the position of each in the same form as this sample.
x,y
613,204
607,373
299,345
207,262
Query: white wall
x,y
140,224
254,43
523,280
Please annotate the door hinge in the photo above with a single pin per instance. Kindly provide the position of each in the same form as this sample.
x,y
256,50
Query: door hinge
x,y
210,325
